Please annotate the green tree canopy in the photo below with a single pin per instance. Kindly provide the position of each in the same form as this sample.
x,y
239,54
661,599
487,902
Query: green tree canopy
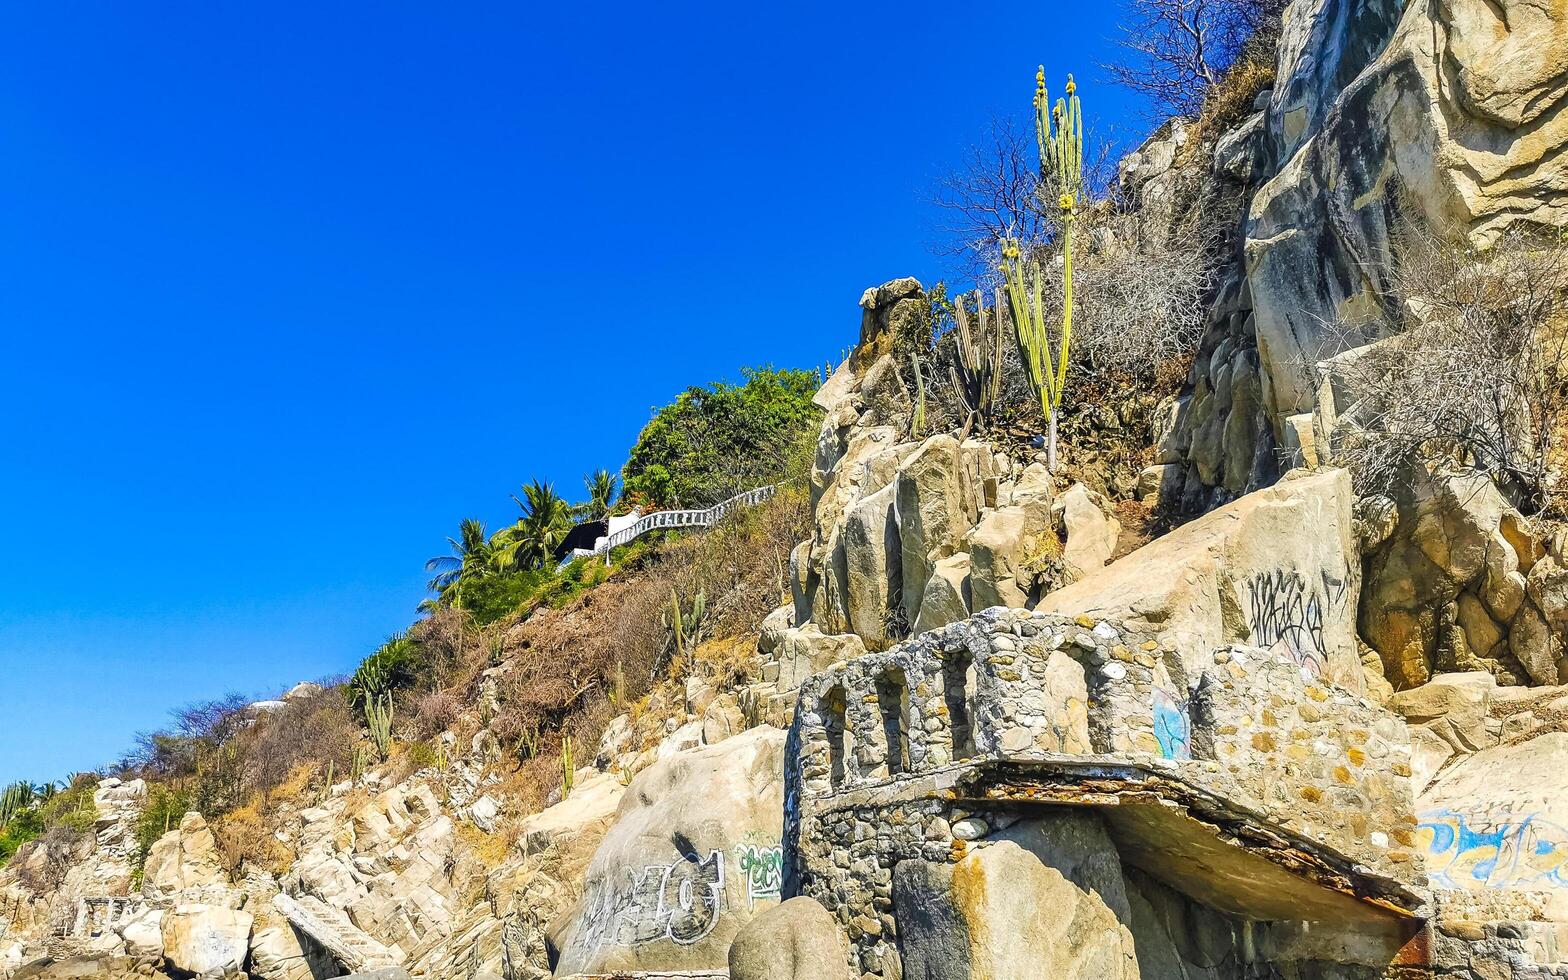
x,y
714,442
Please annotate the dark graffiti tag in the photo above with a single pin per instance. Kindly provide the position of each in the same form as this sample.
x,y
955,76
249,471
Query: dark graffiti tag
x,y
1286,615
680,902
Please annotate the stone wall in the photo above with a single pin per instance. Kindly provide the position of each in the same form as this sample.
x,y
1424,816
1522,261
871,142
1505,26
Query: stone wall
x,y
1322,761
1005,684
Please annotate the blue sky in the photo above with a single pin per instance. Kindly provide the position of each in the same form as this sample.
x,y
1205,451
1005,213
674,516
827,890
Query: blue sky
x,y
287,289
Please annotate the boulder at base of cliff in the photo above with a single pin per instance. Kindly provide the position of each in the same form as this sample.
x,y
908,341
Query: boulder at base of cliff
x,y
1498,820
1001,912
1279,569
797,940
182,859
693,855
206,939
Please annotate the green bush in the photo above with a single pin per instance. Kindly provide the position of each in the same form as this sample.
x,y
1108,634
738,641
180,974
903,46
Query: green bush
x,y
714,442
162,813
24,827
498,596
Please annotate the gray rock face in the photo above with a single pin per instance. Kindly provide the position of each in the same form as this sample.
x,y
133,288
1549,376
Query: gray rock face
x,y
1448,109
796,940
1001,912
693,855
1278,569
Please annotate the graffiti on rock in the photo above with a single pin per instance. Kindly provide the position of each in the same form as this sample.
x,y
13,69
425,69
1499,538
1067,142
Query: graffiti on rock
x,y
1493,850
1286,614
680,902
763,868
1171,728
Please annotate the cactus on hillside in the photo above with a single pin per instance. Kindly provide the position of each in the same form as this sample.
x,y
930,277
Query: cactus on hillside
x,y
568,766
378,719
1059,135
977,375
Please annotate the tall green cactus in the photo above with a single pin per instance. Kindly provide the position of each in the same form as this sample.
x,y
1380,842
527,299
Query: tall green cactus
x,y
378,719
977,374
568,767
1059,135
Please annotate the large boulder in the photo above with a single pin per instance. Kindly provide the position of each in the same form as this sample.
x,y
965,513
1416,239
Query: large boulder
x,y
795,940
935,509
805,650
1450,588
206,939
185,858
873,567
693,855
948,597
1278,568
1498,819
1001,912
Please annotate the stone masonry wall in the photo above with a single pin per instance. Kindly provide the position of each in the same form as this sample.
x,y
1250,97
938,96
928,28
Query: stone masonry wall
x,y
1004,684
1322,761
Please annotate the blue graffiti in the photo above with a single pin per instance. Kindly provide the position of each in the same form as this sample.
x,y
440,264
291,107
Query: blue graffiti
x,y
1171,728
1497,852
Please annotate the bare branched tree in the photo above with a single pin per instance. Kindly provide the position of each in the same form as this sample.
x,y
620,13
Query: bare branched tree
x,y
1476,373
1182,48
1141,288
991,196
995,193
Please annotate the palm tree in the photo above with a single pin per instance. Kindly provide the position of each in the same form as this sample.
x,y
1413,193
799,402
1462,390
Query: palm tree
x,y
601,495
471,557
547,517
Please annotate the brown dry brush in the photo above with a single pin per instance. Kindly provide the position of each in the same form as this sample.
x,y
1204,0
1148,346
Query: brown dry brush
x,y
1474,373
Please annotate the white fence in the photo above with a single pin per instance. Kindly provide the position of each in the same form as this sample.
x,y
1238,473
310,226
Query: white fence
x,y
670,519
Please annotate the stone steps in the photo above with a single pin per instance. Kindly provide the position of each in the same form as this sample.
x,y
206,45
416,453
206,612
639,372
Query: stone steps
x,y
331,927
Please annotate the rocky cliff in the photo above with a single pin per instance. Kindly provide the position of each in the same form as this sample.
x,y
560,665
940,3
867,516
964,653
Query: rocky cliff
x,y
997,727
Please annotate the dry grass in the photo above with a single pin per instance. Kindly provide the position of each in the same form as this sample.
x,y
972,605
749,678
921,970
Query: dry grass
x,y
1230,101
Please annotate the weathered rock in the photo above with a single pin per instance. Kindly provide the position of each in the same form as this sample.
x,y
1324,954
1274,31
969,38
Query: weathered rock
x,y
1278,568
796,940
886,312
205,939
1454,707
884,399
143,934
934,512
1445,592
1495,820
182,859
692,856
589,809
1001,912
1088,527
947,597
805,650
773,627
873,567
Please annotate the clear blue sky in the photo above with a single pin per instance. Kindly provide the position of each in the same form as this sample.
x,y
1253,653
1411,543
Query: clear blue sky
x,y
288,289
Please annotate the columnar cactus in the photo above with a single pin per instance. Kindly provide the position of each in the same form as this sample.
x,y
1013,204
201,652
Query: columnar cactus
x,y
1059,135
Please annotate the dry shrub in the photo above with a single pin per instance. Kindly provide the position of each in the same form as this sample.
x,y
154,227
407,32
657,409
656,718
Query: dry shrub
x,y
245,838
1475,374
1230,101
42,865
431,713
315,731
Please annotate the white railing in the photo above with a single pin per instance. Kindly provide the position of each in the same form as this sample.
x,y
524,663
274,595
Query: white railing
x,y
671,519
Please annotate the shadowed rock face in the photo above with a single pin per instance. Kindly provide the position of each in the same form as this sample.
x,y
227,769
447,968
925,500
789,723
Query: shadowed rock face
x,y
1455,103
1450,109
